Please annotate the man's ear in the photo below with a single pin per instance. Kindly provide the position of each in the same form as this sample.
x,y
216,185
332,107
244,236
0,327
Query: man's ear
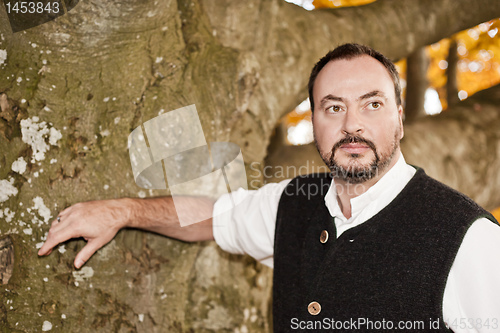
x,y
400,116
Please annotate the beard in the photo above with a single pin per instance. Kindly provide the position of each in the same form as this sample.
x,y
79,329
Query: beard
x,y
355,172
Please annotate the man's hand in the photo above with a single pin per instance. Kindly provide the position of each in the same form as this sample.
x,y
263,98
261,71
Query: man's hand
x,y
99,221
96,221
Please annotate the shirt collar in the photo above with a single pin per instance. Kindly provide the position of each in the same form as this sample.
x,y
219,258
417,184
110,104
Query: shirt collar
x,y
379,189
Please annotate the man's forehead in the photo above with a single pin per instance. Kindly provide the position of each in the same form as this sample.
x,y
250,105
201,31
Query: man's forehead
x,y
359,71
364,62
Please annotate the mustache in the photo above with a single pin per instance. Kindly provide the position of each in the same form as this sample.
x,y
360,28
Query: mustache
x,y
349,138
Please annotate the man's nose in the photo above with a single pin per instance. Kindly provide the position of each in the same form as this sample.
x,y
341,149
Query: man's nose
x,y
353,123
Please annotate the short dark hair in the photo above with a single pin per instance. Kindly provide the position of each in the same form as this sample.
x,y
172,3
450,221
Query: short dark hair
x,y
350,51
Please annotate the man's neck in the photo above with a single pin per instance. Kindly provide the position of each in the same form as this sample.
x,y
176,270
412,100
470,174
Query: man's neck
x,y
347,191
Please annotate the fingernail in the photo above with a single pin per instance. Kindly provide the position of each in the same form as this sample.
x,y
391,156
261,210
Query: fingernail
x,y
79,263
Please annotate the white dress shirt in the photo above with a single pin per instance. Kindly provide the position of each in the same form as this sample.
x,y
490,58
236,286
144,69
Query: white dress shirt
x,y
471,301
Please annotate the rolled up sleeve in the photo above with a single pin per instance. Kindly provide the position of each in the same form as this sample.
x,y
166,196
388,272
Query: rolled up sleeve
x,y
244,221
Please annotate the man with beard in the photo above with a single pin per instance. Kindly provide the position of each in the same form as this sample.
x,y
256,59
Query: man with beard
x,y
374,245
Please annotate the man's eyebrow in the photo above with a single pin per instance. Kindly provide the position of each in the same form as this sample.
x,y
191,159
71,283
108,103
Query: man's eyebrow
x,y
330,97
372,94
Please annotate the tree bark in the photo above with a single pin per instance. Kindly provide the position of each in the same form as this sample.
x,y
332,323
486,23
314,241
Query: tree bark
x,y
74,88
451,74
461,148
417,84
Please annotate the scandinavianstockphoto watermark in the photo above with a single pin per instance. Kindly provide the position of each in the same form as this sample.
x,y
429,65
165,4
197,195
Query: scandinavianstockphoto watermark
x,y
170,151
266,172
363,324
260,171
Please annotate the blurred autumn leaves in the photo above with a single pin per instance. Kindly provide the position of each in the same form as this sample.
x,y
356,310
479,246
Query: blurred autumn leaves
x,y
478,65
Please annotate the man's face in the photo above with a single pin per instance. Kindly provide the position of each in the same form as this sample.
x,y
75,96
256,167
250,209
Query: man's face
x,y
357,123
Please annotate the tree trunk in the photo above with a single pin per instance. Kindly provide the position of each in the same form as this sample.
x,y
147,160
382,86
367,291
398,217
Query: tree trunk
x,y
417,84
460,147
451,74
74,88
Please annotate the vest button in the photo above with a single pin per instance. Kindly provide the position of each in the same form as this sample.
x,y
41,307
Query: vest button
x,y
314,308
324,237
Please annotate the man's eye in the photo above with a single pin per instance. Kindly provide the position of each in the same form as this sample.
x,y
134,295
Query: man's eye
x,y
334,109
375,105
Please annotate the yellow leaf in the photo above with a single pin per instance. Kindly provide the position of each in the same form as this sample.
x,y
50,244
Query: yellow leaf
x,y
496,213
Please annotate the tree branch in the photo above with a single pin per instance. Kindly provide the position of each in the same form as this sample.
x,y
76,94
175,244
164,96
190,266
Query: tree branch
x,y
286,40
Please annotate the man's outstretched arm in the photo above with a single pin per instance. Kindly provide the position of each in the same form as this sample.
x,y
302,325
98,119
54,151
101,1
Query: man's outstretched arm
x,y
99,221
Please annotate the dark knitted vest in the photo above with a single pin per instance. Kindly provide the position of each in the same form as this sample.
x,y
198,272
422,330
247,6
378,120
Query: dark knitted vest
x,y
389,269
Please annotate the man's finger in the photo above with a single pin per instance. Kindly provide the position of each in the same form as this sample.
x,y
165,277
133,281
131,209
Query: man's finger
x,y
54,238
88,250
62,219
58,224
46,249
